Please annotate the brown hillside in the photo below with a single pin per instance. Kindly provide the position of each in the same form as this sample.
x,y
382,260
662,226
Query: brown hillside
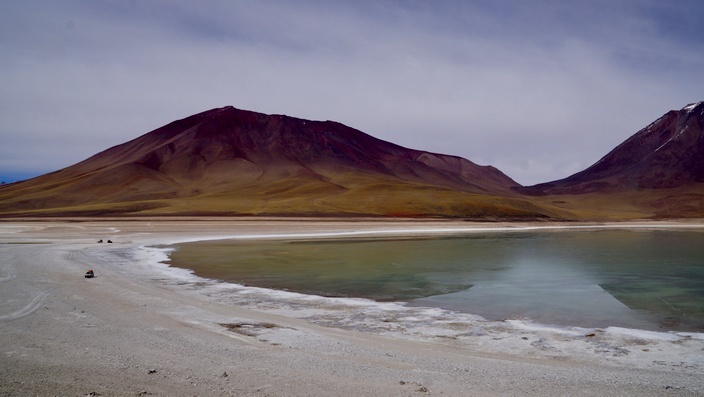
x,y
231,161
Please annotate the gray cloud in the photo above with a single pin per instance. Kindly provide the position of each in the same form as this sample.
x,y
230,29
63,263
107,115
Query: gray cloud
x,y
539,91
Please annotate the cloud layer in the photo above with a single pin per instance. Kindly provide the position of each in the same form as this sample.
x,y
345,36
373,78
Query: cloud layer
x,y
539,90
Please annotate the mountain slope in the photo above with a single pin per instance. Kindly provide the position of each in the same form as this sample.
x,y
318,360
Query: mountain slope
x,y
668,153
659,171
231,161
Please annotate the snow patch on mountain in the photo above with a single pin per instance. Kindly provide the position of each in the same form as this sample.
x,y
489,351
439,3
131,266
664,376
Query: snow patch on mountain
x,y
691,106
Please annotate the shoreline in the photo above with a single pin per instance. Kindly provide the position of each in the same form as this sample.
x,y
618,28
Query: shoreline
x,y
637,322
133,316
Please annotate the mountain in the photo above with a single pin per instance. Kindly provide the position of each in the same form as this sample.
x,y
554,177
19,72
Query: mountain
x,y
229,161
667,153
659,170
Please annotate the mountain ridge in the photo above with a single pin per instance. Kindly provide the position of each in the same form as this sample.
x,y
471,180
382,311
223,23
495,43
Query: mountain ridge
x,y
249,157
667,153
229,161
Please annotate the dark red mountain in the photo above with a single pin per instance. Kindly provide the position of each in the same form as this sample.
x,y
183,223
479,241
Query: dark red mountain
x,y
668,153
231,161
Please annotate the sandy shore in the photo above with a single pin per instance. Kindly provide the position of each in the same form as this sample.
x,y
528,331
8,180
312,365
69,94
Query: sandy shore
x,y
140,328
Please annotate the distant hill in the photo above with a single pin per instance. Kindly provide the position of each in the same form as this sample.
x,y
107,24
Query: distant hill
x,y
229,161
659,170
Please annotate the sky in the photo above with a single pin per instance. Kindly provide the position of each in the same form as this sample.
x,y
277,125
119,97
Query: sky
x,y
539,89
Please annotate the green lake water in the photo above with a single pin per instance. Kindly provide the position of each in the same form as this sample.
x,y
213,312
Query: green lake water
x,y
647,279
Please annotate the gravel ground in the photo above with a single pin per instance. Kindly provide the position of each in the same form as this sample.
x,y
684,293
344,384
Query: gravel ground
x,y
124,333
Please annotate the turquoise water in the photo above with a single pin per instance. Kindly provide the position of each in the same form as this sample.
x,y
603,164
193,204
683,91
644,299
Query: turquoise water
x,y
648,279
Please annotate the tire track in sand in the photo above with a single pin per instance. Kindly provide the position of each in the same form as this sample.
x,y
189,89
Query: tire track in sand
x,y
29,309
6,273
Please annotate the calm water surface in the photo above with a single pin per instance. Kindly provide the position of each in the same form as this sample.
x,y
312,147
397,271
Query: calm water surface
x,y
634,278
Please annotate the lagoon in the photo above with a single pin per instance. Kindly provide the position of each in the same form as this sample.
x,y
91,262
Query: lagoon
x,y
636,278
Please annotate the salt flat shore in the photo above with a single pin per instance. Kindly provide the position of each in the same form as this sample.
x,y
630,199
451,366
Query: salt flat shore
x,y
142,328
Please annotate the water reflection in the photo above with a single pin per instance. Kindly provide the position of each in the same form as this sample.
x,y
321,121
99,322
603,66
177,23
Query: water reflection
x,y
544,292
644,279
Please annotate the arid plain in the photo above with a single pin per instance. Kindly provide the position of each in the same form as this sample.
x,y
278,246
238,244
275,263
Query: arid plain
x,y
141,328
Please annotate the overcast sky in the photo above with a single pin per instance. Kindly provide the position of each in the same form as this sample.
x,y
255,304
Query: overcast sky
x,y
539,89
